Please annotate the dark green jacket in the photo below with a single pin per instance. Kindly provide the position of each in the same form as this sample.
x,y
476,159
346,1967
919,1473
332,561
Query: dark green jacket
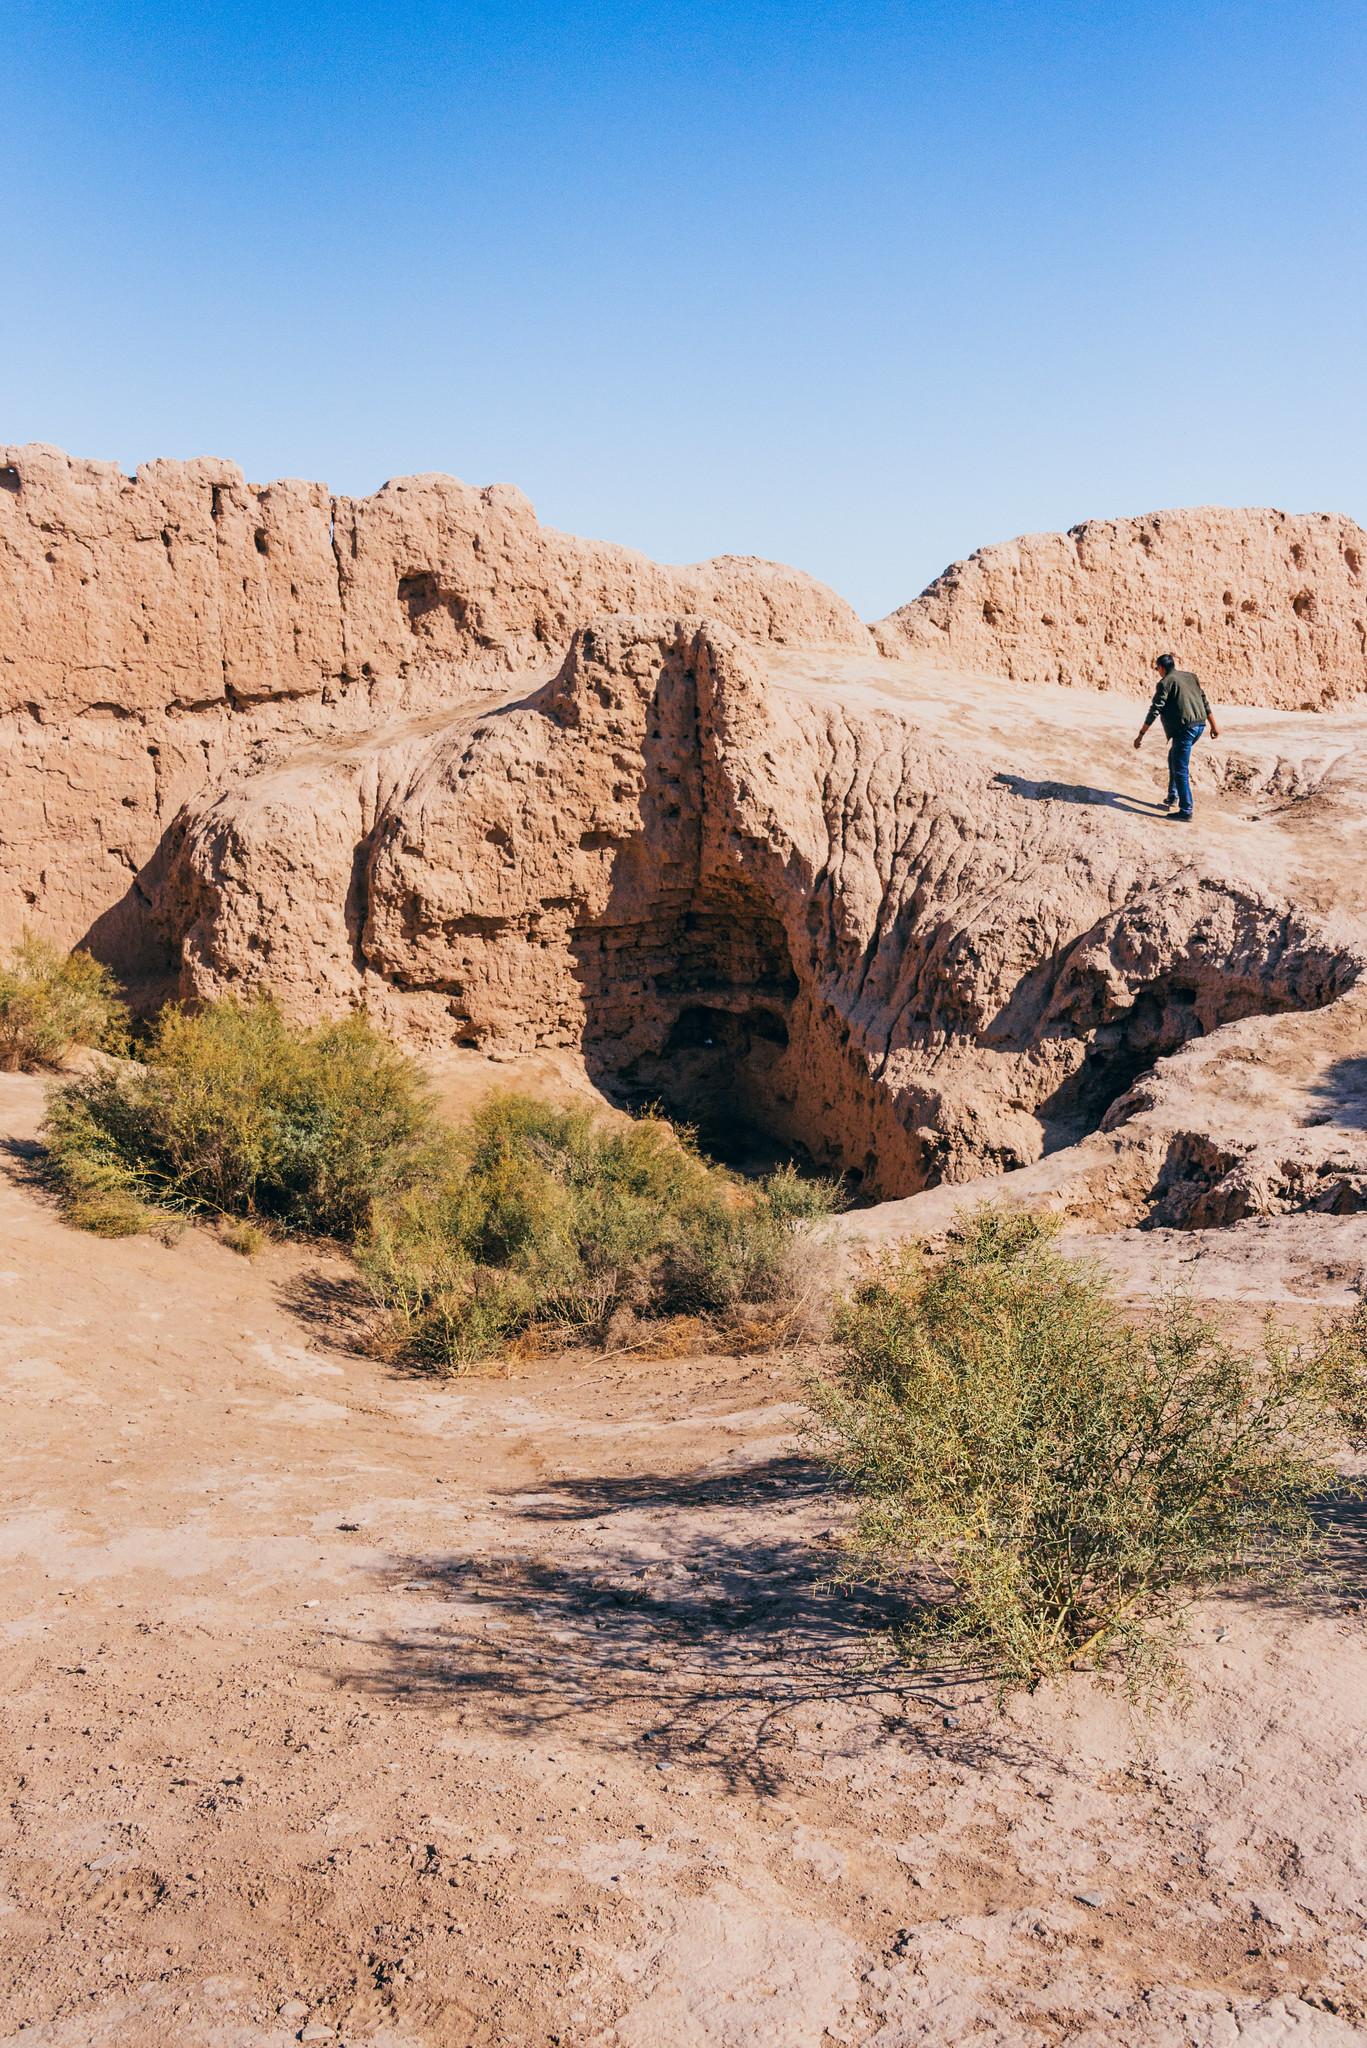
x,y
1179,700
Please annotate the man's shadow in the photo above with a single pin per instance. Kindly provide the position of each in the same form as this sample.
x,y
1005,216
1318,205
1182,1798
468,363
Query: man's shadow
x,y
1080,793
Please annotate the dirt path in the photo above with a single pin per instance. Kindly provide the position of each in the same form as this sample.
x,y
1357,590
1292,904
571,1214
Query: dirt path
x,y
347,1707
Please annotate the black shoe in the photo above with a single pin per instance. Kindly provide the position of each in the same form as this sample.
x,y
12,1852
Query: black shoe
x,y
1182,818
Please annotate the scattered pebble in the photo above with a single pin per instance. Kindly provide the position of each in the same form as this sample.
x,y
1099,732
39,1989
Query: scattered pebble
x,y
1088,1898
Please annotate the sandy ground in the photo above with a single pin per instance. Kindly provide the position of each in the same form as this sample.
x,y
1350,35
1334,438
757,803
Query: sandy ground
x,y
347,1707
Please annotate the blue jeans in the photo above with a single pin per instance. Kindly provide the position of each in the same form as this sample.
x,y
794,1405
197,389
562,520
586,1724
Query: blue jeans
x,y
1179,766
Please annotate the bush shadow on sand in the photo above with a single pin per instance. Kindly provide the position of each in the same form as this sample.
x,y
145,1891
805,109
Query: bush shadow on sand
x,y
334,1305
1336,1582
690,1638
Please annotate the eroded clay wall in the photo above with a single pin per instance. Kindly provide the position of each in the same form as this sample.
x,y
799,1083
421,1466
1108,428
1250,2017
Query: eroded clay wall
x,y
1268,607
160,631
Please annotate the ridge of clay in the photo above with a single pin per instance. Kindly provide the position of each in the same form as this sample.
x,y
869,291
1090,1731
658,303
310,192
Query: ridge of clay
x,y
1270,607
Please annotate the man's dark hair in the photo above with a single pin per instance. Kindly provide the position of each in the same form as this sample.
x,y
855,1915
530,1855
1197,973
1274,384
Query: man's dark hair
x,y
1167,662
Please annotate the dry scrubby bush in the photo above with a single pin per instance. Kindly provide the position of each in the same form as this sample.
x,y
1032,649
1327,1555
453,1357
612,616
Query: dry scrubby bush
x,y
1055,1481
545,1216
467,1236
234,1112
51,1001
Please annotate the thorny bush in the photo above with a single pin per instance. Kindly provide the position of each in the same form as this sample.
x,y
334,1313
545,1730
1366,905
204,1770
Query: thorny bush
x,y
233,1111
51,1001
554,1217
1053,1480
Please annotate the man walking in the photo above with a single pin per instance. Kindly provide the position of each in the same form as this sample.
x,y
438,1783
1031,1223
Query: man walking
x,y
1181,703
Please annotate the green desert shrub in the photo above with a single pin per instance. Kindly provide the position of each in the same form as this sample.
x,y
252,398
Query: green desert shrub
x,y
51,1001
235,1112
522,1216
1051,1479
554,1217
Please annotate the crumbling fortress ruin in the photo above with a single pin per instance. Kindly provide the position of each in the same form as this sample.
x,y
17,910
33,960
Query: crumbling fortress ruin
x,y
869,892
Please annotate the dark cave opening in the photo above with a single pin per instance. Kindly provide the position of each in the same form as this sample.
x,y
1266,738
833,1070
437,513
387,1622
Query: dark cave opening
x,y
1161,1019
696,1013
717,1071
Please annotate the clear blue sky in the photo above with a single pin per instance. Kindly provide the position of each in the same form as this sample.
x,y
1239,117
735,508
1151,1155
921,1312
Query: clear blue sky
x,y
859,287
